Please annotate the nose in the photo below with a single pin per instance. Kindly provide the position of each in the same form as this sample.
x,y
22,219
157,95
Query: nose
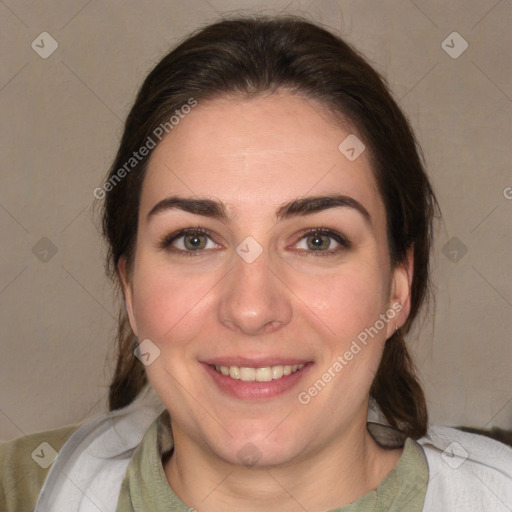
x,y
254,301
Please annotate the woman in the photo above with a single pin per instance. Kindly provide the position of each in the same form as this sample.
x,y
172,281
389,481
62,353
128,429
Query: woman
x,y
269,222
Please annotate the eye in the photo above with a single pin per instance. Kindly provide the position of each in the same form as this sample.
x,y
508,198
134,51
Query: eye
x,y
188,241
322,240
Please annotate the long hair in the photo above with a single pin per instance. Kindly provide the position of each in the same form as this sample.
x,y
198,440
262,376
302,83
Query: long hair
x,y
256,55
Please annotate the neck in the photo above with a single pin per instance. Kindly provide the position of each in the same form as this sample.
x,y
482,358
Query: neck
x,y
335,475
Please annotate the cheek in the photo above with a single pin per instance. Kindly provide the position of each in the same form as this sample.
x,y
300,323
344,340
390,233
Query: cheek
x,y
350,306
349,303
348,300
166,302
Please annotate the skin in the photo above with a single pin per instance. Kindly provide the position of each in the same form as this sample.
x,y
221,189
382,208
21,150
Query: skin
x,y
254,155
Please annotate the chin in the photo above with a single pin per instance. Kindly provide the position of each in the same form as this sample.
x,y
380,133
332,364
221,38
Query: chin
x,y
260,446
254,454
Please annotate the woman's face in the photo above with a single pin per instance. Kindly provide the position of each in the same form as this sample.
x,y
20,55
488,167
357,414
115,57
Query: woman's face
x,y
283,267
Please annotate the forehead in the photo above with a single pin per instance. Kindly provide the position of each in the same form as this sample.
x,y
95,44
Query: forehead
x,y
257,153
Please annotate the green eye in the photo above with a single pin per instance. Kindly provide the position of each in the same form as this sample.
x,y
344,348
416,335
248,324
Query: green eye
x,y
194,241
318,242
321,240
188,241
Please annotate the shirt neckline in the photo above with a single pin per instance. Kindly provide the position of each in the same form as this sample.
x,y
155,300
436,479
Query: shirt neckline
x,y
147,484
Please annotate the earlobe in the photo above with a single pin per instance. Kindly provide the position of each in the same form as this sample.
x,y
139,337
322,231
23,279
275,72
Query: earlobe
x,y
127,288
400,298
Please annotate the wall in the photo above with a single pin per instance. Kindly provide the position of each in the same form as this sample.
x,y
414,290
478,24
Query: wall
x,y
62,119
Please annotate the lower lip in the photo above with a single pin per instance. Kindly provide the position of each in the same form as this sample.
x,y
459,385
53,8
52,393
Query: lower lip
x,y
255,390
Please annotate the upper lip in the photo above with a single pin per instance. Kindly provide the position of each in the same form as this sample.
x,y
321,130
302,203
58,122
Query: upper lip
x,y
260,362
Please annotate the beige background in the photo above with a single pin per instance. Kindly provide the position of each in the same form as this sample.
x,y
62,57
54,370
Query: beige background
x,y
60,125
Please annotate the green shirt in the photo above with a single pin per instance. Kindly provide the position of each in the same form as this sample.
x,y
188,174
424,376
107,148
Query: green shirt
x,y
145,487
22,468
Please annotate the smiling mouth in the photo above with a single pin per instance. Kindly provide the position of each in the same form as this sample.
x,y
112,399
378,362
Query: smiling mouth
x,y
264,374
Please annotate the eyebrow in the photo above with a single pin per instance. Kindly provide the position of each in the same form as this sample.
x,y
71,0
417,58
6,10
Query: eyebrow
x,y
205,207
301,206
308,205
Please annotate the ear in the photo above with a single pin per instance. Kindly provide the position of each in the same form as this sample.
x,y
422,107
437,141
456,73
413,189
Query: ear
x,y
400,295
127,287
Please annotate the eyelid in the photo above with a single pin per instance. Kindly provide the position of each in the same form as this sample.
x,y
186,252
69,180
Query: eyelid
x,y
338,237
166,241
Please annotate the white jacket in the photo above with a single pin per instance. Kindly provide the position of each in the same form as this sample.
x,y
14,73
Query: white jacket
x,y
467,472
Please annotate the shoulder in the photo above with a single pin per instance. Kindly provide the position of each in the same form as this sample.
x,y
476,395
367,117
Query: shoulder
x,y
24,465
466,471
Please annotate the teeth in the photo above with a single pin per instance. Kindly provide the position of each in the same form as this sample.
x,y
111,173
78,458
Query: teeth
x,y
277,372
246,374
265,374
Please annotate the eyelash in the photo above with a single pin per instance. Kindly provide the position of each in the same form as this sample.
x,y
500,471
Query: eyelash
x,y
167,241
337,237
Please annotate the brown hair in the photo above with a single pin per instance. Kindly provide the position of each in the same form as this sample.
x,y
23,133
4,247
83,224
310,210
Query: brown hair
x,y
254,55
